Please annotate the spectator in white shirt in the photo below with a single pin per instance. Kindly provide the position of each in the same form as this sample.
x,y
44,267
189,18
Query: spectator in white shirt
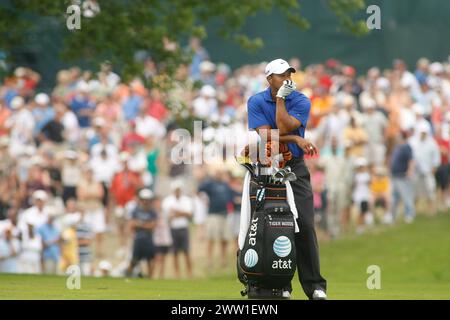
x,y
179,209
32,246
374,123
21,124
9,251
147,125
427,158
37,215
206,104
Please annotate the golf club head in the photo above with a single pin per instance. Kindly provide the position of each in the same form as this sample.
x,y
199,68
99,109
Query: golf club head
x,y
249,167
279,174
290,176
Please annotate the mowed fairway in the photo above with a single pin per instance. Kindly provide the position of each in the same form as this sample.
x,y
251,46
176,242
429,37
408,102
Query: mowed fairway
x,y
414,261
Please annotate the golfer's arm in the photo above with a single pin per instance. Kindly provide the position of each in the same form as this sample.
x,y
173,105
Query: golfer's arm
x,y
285,122
285,138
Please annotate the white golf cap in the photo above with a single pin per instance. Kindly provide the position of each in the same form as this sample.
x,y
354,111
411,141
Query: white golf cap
x,y
177,184
207,66
17,102
208,91
40,195
83,87
42,98
278,66
368,103
99,122
4,141
423,128
105,265
146,194
70,154
361,162
20,72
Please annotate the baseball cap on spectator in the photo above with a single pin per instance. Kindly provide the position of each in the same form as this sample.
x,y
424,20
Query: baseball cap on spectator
x,y
361,162
380,171
146,194
4,141
40,195
436,68
368,103
42,99
17,102
177,184
99,122
124,156
417,108
71,154
105,265
223,68
349,71
332,63
422,128
278,66
53,212
37,161
20,72
83,87
348,101
207,66
423,63
208,91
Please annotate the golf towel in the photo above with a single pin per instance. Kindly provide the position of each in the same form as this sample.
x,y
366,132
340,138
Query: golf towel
x,y
246,209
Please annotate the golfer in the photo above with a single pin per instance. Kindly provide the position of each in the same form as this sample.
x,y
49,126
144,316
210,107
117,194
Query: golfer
x,y
282,107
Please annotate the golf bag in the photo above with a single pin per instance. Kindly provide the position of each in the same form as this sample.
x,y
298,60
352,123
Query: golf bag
x,y
267,262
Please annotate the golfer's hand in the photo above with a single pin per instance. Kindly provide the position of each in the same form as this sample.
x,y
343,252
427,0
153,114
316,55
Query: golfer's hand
x,y
286,89
307,147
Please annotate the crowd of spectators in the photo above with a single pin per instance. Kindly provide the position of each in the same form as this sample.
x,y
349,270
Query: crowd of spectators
x,y
74,160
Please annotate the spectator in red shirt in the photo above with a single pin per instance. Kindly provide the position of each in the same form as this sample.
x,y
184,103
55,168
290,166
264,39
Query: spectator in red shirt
x,y
122,194
131,138
156,107
442,172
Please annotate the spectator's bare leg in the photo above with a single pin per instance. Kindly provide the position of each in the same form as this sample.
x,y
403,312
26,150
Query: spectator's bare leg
x,y
176,265
188,264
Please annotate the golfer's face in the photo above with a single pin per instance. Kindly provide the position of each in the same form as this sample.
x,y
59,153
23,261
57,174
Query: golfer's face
x,y
276,80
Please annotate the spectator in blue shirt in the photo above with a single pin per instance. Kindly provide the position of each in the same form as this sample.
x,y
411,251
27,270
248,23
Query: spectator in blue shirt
x,y
83,107
131,105
43,112
51,236
402,168
220,196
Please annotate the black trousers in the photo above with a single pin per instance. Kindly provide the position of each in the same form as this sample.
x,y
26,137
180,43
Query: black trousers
x,y
307,248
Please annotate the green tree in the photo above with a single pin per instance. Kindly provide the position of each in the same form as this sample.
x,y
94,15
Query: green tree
x,y
124,26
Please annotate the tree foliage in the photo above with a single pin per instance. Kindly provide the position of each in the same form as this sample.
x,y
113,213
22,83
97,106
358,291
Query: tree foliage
x,y
124,26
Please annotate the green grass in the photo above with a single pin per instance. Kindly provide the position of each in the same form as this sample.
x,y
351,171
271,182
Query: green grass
x,y
414,262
